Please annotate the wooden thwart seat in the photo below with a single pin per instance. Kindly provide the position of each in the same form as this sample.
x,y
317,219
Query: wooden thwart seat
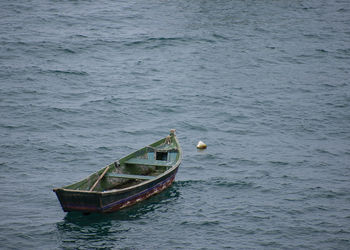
x,y
147,162
131,176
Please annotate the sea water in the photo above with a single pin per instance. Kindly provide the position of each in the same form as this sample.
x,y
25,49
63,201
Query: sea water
x,y
265,84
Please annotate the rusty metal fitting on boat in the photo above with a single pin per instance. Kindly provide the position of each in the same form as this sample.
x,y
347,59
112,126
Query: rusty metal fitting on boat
x,y
168,139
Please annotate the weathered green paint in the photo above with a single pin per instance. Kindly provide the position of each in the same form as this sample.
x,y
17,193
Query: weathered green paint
x,y
133,173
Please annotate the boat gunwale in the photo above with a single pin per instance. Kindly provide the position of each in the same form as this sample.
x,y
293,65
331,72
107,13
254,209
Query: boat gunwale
x,y
116,191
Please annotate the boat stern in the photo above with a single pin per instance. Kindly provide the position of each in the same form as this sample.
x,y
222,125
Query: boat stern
x,y
72,200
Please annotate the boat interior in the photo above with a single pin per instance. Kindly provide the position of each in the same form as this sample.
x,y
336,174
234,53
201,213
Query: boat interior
x,y
143,165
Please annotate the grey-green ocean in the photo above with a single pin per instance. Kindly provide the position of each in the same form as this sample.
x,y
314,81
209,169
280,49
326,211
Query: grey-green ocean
x,y
265,84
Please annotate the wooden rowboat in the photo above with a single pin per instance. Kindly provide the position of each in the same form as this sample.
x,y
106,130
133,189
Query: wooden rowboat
x,y
123,183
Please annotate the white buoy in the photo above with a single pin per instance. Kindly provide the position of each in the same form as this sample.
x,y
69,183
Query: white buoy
x,y
201,145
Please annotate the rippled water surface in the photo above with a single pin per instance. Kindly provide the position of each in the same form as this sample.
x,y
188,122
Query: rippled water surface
x,y
264,83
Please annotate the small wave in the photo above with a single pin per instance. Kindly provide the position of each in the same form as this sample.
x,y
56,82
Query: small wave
x,y
188,183
221,37
67,72
68,51
324,151
134,132
343,10
156,42
97,103
344,51
279,163
195,127
223,182
322,50
241,161
216,182
329,85
8,126
104,148
319,192
77,36
200,223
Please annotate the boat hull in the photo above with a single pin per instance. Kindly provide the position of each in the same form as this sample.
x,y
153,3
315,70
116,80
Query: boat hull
x,y
106,202
132,179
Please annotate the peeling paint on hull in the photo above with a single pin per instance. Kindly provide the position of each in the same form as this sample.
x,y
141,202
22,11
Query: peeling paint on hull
x,y
125,202
159,162
142,196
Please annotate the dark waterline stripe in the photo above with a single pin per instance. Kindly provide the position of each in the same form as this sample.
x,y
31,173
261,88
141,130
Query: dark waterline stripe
x,y
116,203
139,194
